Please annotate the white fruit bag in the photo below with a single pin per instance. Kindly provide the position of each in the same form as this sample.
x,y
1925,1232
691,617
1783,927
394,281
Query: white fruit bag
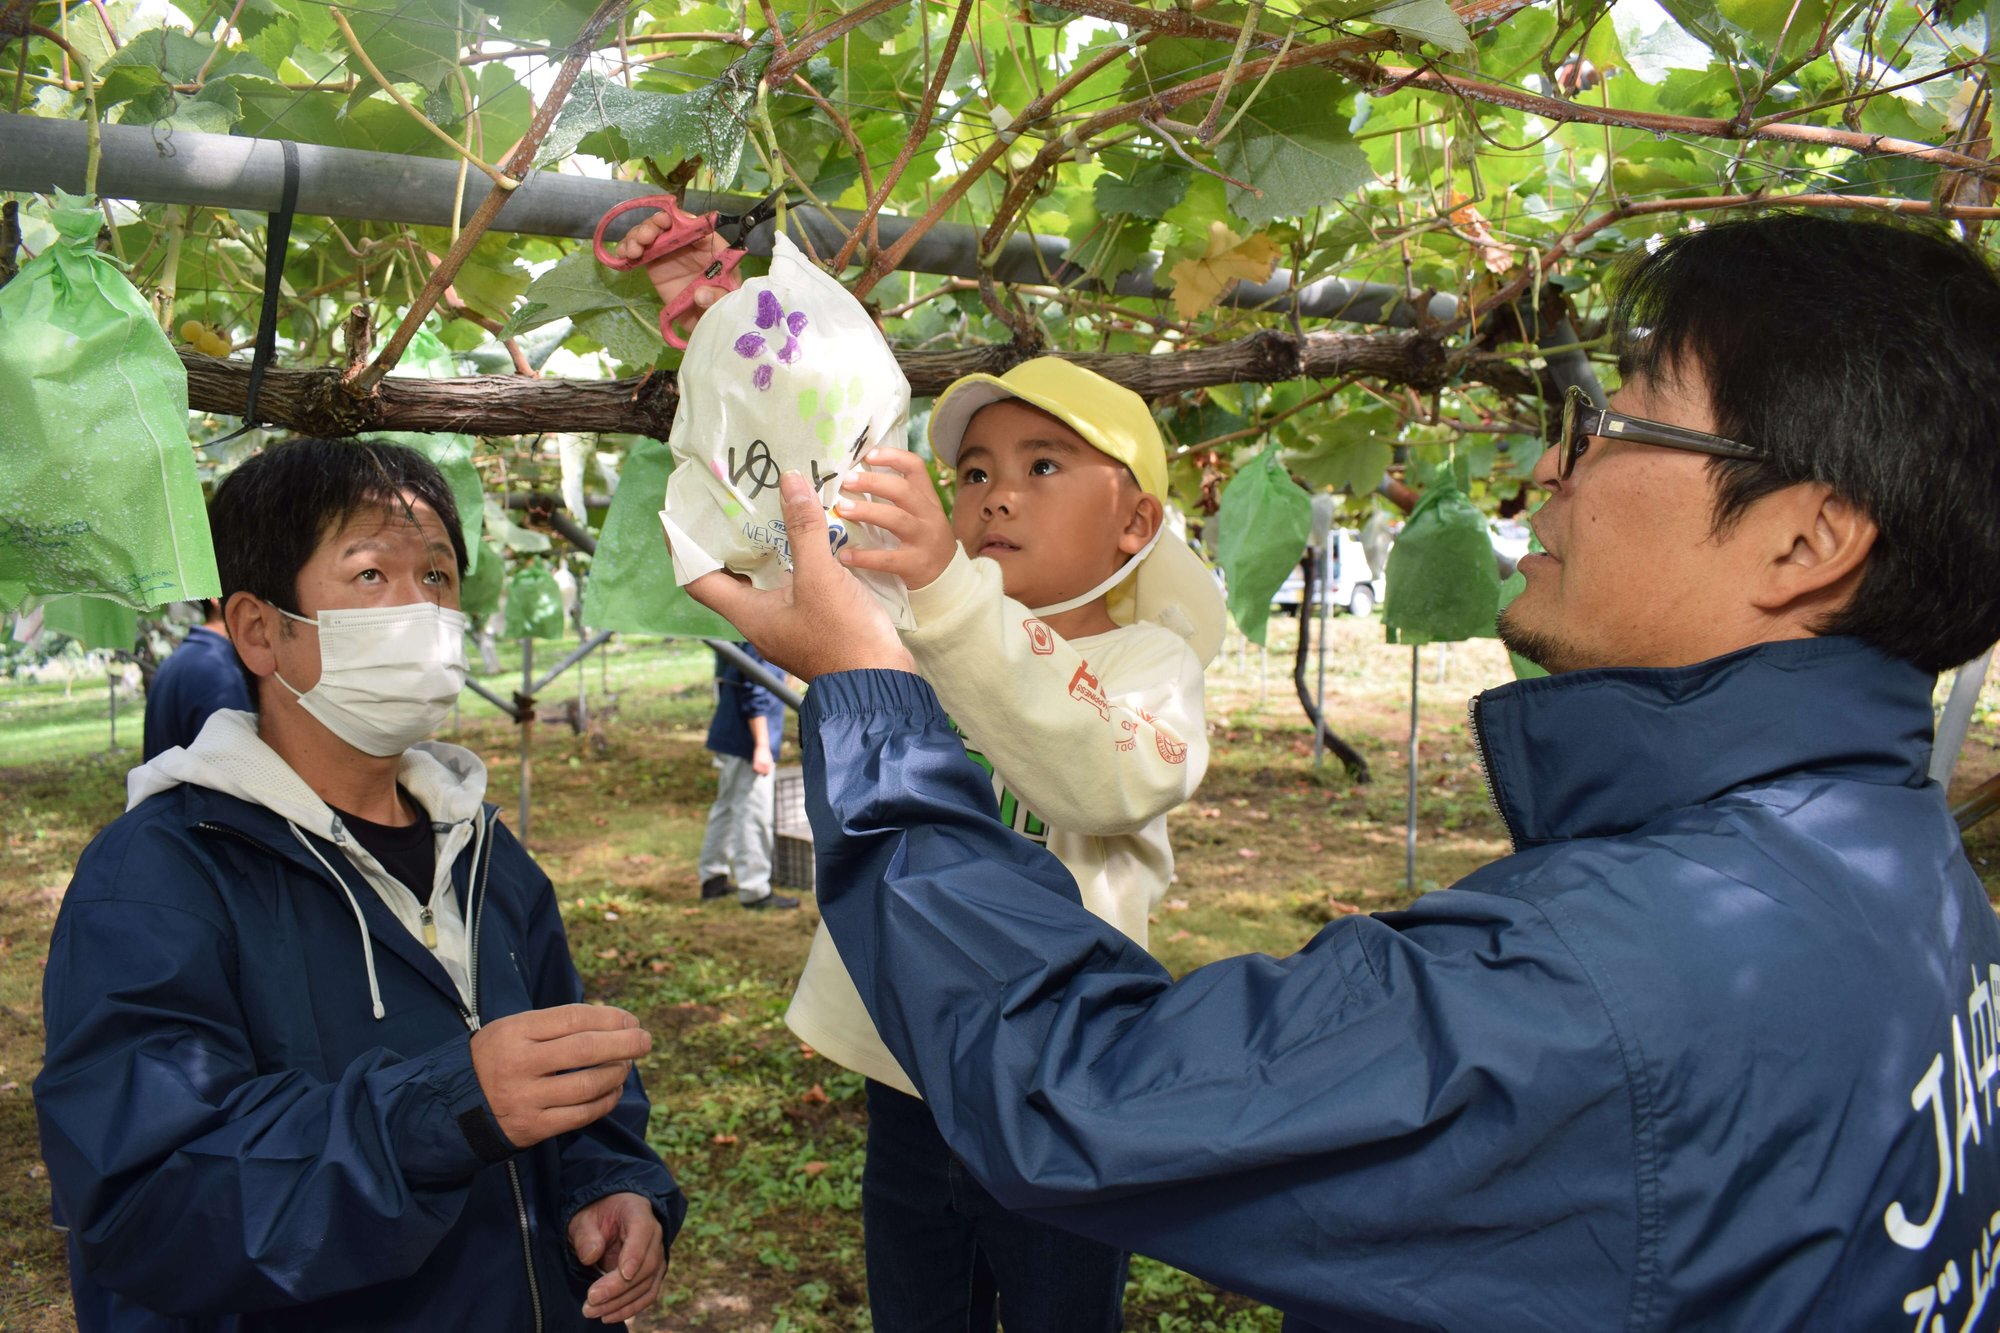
x,y
787,373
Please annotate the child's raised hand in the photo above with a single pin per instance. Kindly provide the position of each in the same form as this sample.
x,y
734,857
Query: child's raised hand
x,y
672,273
905,505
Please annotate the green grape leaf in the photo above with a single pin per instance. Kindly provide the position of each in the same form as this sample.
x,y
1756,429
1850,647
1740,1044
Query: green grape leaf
x,y
168,53
1428,21
1150,190
1340,454
410,41
1293,146
577,285
710,122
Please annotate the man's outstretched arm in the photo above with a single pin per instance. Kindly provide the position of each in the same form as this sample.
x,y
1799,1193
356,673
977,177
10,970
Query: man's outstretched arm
x,y
1315,1131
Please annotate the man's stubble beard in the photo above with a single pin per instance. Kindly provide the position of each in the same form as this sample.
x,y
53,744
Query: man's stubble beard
x,y
1546,651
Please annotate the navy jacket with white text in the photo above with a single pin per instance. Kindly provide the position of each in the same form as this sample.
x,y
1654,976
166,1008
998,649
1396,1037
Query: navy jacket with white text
x,y
1715,1048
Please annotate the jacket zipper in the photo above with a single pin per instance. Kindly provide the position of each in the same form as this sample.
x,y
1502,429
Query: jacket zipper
x,y
478,908
1485,773
471,1018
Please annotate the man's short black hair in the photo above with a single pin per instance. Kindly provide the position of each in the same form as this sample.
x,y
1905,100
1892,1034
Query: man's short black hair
x,y
1864,356
271,513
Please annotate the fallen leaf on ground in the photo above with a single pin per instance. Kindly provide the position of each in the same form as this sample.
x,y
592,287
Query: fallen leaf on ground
x,y
814,1096
1340,908
1180,935
723,1140
813,1168
1247,853
1175,904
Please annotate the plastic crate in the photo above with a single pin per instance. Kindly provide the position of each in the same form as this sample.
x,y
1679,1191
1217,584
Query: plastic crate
x,y
792,861
789,800
792,852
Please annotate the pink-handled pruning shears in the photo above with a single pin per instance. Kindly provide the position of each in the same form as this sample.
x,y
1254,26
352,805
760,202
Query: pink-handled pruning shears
x,y
684,229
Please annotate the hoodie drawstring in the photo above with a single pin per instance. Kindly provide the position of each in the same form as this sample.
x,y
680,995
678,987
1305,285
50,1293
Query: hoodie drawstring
x,y
367,945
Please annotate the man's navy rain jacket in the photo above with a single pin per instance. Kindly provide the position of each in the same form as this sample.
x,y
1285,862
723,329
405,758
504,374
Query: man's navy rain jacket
x,y
235,1139
1714,1049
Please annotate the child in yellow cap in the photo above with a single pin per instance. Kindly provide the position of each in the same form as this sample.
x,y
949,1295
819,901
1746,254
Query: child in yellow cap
x,y
1064,625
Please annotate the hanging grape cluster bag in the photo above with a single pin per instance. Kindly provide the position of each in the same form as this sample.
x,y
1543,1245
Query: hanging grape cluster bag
x,y
787,373
101,494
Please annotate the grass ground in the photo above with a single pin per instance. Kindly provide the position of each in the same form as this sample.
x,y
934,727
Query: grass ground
x,y
765,1137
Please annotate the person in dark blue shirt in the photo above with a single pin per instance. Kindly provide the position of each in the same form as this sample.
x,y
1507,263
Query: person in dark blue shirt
x,y
746,734
200,677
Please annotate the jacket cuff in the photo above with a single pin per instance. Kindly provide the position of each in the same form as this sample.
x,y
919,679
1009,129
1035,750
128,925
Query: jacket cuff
x,y
846,693
453,1134
670,1208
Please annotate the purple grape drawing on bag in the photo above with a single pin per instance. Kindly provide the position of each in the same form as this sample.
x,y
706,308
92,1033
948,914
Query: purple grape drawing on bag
x,y
752,346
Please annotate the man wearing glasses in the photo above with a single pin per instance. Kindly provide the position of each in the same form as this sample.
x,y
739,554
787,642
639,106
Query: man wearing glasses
x,y
1714,1047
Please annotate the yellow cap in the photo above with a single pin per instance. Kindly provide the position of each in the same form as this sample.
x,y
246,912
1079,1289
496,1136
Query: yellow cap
x,y
1172,586
1110,417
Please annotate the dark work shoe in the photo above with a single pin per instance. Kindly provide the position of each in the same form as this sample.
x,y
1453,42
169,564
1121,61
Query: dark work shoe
x,y
716,886
777,901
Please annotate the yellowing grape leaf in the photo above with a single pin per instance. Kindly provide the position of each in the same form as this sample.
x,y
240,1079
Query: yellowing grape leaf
x,y
1199,282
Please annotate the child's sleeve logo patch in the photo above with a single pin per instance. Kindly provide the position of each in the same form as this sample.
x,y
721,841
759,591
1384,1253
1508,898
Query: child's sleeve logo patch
x,y
1084,686
1174,752
1041,638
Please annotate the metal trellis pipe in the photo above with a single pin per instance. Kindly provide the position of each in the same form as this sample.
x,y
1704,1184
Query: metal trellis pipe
x,y
141,163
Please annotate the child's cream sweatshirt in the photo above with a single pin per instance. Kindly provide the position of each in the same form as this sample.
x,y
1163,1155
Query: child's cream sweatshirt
x,y
1090,741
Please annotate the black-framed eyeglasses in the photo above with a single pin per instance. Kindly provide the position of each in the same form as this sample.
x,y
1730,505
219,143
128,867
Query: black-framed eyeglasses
x,y
1581,419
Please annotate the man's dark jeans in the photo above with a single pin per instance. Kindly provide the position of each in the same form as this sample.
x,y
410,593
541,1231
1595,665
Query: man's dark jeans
x,y
945,1257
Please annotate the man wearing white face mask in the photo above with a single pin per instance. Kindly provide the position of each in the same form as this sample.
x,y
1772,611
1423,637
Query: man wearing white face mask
x,y
309,995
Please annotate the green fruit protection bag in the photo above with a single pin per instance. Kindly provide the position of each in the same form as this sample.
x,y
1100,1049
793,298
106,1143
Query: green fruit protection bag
x,y
100,492
632,588
534,605
1443,583
480,595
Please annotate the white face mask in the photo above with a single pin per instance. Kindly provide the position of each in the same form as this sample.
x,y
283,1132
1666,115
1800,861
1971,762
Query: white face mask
x,y
387,674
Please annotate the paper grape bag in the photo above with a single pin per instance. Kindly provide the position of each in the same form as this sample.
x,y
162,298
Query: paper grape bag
x,y
100,494
785,374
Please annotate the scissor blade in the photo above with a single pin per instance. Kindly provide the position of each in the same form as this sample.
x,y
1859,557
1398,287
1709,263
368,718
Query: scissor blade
x,y
739,227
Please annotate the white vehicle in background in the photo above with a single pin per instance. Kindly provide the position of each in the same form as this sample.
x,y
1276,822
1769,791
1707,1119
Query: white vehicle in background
x,y
1510,538
1354,586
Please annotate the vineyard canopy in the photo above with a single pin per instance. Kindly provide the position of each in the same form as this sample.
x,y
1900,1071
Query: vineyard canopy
x,y
1156,189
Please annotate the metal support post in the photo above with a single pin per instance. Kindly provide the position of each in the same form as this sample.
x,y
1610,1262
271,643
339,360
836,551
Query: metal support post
x,y
1410,814
1319,699
526,719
